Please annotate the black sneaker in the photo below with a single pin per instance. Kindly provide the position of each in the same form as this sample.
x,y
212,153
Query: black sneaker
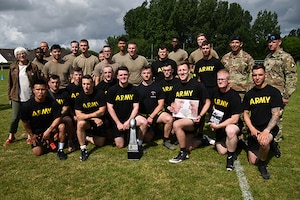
x,y
230,163
168,145
61,154
84,155
209,140
263,171
275,149
180,157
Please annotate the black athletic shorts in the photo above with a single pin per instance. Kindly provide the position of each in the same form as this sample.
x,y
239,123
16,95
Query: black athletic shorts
x,y
96,130
253,143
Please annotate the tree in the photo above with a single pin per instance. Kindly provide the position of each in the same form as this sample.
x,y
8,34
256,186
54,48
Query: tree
x,y
156,21
291,44
265,23
295,32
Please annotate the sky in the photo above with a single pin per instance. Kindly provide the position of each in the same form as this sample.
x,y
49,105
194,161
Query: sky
x,y
27,22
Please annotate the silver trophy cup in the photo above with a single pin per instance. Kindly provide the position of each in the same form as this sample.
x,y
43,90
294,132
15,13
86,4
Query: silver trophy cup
x,y
133,152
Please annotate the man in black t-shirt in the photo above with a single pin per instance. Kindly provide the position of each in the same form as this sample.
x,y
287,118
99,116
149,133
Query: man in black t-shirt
x,y
187,89
262,106
163,60
61,96
151,111
225,117
108,79
41,116
90,107
122,105
168,83
206,69
74,89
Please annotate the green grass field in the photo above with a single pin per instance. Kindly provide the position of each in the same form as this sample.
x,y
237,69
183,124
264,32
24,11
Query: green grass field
x,y
109,175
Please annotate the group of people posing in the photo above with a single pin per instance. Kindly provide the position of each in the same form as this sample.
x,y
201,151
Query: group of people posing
x,y
81,98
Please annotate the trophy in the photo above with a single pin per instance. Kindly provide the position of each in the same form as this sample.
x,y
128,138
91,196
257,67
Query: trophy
x,y
133,152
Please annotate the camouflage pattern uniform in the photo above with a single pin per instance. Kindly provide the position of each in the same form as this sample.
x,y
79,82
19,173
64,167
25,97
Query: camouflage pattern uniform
x,y
239,67
282,74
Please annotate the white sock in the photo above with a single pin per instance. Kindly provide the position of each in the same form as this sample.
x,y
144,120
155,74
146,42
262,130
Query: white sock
x,y
61,145
140,142
83,147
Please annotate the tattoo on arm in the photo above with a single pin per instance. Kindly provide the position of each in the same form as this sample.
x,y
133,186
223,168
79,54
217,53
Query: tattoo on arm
x,y
274,119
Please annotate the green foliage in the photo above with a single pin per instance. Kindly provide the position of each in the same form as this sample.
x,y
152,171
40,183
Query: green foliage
x,y
295,32
265,23
292,46
156,21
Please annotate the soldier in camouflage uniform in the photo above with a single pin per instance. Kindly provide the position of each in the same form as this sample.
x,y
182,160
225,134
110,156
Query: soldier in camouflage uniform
x,y
281,73
239,63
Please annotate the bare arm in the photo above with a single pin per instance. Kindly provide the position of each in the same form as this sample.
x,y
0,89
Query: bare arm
x,y
97,114
264,136
159,107
232,120
203,111
248,122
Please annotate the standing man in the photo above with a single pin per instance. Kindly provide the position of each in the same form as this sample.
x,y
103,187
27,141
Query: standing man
x,y
178,54
134,62
74,45
227,102
122,105
151,109
121,55
98,71
162,60
39,58
281,74
184,128
90,107
197,55
206,69
239,63
44,45
85,60
41,117
59,67
262,106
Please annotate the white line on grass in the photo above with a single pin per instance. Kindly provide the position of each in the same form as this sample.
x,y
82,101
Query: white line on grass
x,y
243,181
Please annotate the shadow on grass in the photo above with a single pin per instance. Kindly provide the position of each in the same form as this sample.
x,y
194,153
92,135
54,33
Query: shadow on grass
x,y
4,107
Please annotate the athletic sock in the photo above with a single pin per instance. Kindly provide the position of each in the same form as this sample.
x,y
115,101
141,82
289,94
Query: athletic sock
x,y
83,147
61,145
140,142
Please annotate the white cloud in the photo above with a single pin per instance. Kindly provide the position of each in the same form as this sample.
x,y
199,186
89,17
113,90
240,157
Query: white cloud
x,y
61,21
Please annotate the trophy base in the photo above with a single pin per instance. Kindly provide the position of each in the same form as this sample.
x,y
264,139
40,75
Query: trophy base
x,y
134,155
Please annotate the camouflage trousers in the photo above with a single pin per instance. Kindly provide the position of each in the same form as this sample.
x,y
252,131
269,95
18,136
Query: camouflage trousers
x,y
279,135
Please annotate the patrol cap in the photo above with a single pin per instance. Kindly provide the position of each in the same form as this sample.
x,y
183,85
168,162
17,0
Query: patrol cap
x,y
236,37
273,36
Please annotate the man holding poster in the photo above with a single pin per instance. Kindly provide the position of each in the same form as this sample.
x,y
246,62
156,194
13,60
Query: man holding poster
x,y
225,119
188,89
